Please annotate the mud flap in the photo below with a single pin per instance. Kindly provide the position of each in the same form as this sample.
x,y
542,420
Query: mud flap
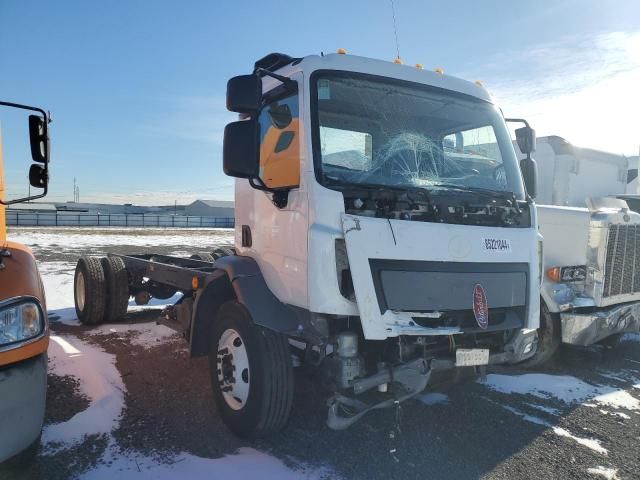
x,y
345,411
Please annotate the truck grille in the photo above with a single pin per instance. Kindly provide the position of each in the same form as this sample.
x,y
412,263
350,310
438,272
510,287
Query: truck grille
x,y
622,259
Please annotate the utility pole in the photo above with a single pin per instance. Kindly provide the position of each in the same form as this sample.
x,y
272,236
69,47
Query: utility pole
x,y
74,189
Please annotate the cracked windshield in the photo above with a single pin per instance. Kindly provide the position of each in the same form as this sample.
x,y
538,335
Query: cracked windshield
x,y
395,134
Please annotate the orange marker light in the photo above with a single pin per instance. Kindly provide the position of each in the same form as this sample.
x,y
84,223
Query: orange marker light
x,y
398,61
554,274
419,66
439,70
195,282
341,51
478,82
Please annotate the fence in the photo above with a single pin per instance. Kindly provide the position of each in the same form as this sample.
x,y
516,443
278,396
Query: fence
x,y
59,219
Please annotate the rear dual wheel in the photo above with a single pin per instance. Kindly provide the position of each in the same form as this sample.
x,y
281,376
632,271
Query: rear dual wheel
x,y
101,289
251,373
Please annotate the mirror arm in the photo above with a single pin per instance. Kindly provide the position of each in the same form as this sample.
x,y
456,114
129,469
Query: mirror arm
x,y
27,199
279,196
285,80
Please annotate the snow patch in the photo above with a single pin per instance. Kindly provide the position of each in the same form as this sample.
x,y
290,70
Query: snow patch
x,y
587,442
245,464
100,381
146,335
565,388
433,398
608,473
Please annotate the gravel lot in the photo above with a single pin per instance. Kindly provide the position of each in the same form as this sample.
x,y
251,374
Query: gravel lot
x,y
579,418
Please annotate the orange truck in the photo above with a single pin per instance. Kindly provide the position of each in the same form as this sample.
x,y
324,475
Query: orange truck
x,y
24,331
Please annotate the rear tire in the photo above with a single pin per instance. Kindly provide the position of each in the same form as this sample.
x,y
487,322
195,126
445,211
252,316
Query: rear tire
x,y
89,290
117,283
254,388
549,338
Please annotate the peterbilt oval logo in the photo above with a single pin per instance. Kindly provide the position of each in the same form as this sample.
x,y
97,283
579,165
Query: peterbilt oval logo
x,y
480,307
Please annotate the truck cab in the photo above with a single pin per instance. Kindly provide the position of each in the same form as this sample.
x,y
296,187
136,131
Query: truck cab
x,y
24,331
386,203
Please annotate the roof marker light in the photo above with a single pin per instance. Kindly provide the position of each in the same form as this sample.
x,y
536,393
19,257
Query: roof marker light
x,y
439,70
341,51
479,83
398,61
419,66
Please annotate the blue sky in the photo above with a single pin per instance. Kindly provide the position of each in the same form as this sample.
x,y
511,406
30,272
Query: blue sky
x,y
137,87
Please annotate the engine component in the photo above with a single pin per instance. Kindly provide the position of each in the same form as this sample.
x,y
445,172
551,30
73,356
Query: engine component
x,y
345,365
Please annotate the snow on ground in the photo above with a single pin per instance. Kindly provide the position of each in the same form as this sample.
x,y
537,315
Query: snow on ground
x,y
99,380
65,238
590,443
245,464
607,473
567,389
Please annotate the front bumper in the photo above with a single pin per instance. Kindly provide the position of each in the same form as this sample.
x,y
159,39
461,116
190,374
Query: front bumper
x,y
521,347
588,328
23,389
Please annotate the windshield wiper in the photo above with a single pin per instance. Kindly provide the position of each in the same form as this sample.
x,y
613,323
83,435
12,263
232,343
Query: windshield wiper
x,y
503,194
482,191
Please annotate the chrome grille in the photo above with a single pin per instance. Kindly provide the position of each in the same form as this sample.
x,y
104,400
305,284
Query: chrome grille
x,y
622,260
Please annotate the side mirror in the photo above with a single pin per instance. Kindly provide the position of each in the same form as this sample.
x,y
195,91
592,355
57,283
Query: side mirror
x,y
38,176
529,171
244,94
240,151
526,138
38,139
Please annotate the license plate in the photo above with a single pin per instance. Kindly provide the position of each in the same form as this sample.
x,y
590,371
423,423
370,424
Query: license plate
x,y
470,357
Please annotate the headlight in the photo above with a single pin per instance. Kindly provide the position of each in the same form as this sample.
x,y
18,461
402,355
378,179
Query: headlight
x,y
577,273
20,321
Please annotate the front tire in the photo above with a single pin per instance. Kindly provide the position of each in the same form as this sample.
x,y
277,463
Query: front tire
x,y
251,373
549,338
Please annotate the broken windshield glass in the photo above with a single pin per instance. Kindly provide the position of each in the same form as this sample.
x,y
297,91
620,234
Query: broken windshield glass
x,y
381,131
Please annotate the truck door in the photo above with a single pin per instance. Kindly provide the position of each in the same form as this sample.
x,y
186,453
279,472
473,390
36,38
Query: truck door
x,y
278,230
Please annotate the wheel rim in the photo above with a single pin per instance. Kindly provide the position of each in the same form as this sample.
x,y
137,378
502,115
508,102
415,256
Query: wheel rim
x,y
80,290
233,369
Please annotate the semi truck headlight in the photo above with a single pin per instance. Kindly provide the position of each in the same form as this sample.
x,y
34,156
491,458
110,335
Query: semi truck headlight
x,y
576,273
20,321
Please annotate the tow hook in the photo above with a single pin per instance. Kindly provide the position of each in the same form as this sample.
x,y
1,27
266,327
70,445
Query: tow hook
x,y
412,378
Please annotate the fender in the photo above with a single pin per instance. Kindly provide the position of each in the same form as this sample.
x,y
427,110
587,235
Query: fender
x,y
243,282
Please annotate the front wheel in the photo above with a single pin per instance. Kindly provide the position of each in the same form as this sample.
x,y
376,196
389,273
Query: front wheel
x,y
251,373
549,338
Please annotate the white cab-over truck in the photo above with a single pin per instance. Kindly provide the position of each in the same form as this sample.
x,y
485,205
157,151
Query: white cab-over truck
x,y
591,286
376,240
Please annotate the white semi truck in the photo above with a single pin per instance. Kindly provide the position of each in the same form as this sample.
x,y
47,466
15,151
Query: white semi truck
x,y
591,284
376,240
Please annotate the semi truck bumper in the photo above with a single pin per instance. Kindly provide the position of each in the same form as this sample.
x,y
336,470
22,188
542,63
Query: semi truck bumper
x,y
23,389
588,328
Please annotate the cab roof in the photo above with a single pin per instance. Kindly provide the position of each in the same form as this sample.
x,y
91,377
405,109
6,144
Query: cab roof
x,y
286,65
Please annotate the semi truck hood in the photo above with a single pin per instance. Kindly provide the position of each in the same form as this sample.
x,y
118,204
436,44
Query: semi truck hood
x,y
566,234
403,267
